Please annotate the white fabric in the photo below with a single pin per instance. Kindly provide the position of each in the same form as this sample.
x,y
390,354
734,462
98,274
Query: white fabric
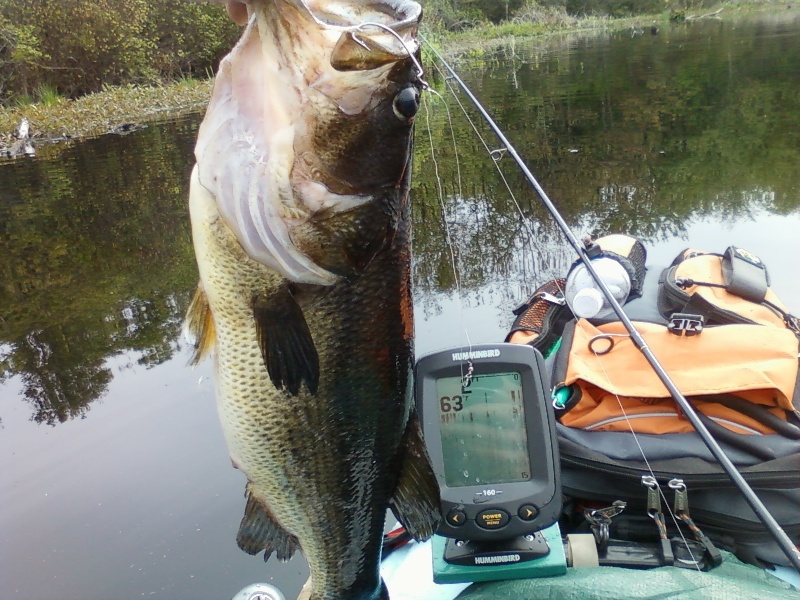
x,y
408,573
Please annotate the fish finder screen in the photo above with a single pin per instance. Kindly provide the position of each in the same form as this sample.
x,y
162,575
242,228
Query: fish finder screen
x,y
483,432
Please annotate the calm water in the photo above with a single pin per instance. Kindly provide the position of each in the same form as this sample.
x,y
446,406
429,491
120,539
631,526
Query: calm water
x,y
114,477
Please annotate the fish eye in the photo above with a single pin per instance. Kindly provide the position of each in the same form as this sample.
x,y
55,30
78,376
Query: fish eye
x,y
406,103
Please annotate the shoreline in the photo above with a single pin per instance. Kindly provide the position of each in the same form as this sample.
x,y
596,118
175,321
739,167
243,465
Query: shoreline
x,y
113,110
126,108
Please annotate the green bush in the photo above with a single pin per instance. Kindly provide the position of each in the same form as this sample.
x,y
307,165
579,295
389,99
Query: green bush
x,y
448,15
498,10
19,56
76,47
459,14
614,8
83,45
190,38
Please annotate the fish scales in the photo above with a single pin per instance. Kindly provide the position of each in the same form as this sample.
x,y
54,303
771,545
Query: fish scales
x,y
300,221
319,461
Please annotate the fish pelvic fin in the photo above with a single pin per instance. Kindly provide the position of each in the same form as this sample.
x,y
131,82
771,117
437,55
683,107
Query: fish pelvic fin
x,y
416,500
259,531
199,326
286,344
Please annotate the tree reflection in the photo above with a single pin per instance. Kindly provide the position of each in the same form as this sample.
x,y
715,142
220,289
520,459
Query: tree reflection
x,y
639,135
96,261
56,387
629,135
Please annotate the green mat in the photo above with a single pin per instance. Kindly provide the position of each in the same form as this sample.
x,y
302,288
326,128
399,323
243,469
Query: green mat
x,y
732,580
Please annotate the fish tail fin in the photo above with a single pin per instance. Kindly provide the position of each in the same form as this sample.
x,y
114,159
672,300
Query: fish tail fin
x,y
199,326
416,500
260,531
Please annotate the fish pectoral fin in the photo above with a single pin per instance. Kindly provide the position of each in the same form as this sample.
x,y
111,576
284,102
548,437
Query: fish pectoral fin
x,y
199,326
285,341
416,500
259,531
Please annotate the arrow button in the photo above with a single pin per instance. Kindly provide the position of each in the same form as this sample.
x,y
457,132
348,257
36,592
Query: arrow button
x,y
527,512
456,517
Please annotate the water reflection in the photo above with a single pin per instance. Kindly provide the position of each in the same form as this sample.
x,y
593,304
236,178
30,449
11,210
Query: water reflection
x,y
96,261
657,136
639,134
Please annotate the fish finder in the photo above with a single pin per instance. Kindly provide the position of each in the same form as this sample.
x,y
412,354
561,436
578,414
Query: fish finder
x,y
490,432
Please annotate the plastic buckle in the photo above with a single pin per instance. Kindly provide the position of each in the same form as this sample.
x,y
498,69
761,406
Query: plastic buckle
x,y
684,324
545,296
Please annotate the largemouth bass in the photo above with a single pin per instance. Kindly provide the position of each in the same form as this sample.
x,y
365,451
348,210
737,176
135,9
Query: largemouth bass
x,y
300,221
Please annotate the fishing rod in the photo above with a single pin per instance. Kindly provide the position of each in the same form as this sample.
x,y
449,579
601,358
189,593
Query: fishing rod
x,y
774,528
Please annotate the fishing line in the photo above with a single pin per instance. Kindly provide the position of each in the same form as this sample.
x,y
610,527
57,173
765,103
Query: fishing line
x,y
779,535
450,244
440,197
492,153
466,378
496,155
455,147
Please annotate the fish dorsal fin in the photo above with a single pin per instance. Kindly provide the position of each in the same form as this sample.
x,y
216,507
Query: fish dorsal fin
x,y
285,341
199,326
260,531
416,500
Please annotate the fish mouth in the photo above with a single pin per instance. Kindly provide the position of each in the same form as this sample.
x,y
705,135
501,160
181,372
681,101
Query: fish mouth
x,y
385,30
300,66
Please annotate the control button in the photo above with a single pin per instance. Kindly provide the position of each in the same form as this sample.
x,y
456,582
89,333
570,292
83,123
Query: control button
x,y
527,512
494,518
456,517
